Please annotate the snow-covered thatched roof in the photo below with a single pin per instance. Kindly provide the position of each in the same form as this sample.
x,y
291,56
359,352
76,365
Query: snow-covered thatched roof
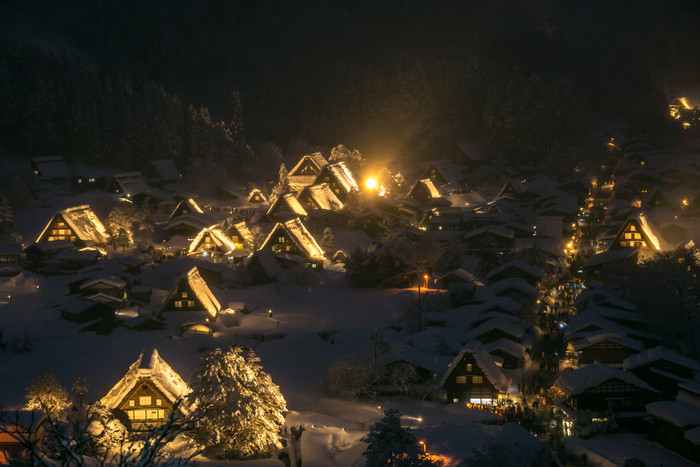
x,y
594,375
289,204
298,233
316,159
132,183
219,238
428,184
607,336
506,345
509,327
491,229
202,291
154,369
84,222
50,166
342,174
648,230
322,196
504,303
184,207
485,362
513,283
657,354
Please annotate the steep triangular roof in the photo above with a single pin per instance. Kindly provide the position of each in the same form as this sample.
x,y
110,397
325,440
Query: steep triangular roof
x,y
528,269
428,185
486,363
315,159
50,166
342,174
154,369
201,290
185,207
649,233
299,235
131,183
322,196
220,239
287,203
84,222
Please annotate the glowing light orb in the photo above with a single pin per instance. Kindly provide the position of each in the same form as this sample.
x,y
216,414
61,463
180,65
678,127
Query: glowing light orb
x,y
371,183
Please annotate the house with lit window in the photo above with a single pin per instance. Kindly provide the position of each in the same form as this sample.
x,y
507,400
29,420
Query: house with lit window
x,y
238,232
319,198
307,169
10,261
599,389
256,196
443,173
339,178
51,168
293,239
474,377
78,225
211,242
129,185
286,206
192,295
423,191
147,394
639,233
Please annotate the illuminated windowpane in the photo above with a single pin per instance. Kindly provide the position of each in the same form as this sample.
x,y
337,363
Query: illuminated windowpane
x,y
131,403
139,415
477,379
461,380
145,400
469,367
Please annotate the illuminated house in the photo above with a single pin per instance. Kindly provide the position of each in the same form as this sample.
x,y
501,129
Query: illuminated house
x,y
319,197
128,185
638,232
423,191
256,196
339,179
286,206
292,238
145,397
239,233
51,168
185,207
597,389
307,169
474,377
442,173
78,225
192,295
211,242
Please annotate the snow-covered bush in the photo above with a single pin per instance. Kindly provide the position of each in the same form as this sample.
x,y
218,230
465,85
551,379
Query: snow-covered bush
x,y
388,443
238,410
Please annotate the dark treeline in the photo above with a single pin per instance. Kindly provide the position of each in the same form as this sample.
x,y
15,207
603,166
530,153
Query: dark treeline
x,y
531,77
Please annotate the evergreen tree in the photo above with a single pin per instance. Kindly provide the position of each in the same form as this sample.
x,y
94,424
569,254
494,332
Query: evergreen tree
x,y
119,223
282,186
238,410
389,444
328,241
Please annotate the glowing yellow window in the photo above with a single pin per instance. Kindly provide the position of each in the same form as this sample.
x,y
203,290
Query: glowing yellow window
x,y
145,400
461,380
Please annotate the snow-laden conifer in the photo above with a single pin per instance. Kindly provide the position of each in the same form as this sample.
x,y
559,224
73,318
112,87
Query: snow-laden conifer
x,y
237,409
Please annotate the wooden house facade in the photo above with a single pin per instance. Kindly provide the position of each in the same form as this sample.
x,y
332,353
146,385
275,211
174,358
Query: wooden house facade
x,y
423,191
339,178
146,396
192,294
598,388
292,238
474,377
606,348
211,242
78,225
639,233
662,369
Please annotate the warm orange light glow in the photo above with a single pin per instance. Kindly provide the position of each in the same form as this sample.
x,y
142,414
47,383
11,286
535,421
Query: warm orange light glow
x,y
371,183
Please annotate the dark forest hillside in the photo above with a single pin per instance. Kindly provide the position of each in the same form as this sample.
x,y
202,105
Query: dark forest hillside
x,y
530,76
